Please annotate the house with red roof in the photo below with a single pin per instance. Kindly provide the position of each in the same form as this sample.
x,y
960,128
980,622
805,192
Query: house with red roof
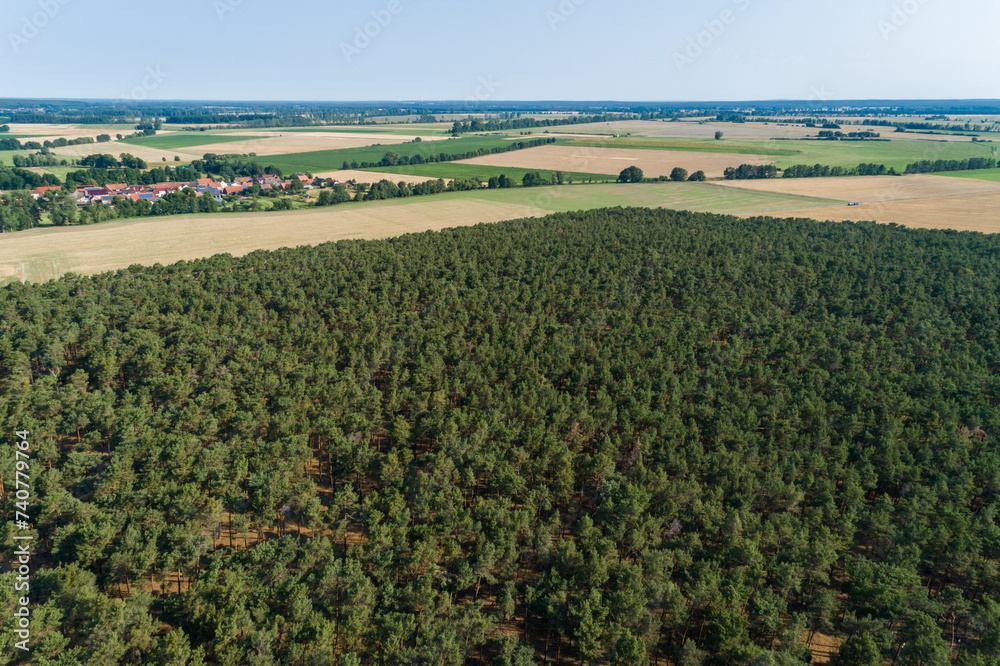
x,y
39,191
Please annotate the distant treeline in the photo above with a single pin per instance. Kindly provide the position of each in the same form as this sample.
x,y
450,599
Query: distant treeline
x,y
751,172
924,166
14,144
903,126
248,120
825,171
475,125
230,168
391,158
841,136
386,189
101,177
972,163
19,179
39,160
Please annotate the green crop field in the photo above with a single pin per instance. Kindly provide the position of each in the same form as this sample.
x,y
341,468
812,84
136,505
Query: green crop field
x,y
7,156
183,140
975,174
58,171
109,127
332,160
482,172
404,130
704,197
690,145
892,153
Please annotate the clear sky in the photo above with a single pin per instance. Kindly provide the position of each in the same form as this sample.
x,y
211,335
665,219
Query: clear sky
x,y
635,50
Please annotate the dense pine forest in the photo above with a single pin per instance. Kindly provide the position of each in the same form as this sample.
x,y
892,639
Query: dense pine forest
x,y
616,437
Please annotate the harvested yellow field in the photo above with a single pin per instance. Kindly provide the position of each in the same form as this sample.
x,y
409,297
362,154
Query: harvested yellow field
x,y
869,188
43,254
969,212
48,131
924,201
279,143
261,143
654,163
693,129
374,177
116,148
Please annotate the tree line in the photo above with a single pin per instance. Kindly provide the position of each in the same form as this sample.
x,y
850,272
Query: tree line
x,y
750,172
971,163
392,158
14,144
826,171
499,125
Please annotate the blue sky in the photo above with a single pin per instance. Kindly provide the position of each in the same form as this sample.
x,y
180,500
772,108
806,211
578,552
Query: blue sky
x,y
511,50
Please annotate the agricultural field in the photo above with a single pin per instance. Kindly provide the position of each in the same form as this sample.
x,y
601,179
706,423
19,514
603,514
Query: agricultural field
x,y
696,146
458,170
895,152
612,161
373,176
193,145
977,174
415,129
7,156
706,129
279,142
42,254
964,213
924,201
869,188
174,140
332,160
47,131
59,171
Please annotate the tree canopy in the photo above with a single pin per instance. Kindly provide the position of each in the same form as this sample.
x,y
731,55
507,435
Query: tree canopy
x,y
622,436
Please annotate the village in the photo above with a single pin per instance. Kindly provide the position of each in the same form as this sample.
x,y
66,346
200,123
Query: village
x,y
106,194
